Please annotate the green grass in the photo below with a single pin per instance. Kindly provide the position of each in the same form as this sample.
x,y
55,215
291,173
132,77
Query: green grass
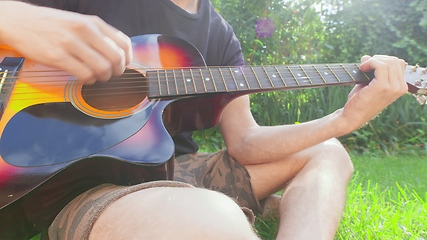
x,y
387,199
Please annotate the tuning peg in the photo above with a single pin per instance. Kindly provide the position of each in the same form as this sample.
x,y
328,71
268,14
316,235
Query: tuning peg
x,y
414,68
421,83
422,99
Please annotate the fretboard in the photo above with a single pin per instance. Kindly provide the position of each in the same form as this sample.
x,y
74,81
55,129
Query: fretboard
x,y
8,70
174,83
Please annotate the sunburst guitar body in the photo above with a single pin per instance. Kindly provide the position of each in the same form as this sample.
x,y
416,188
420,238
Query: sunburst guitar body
x,y
60,138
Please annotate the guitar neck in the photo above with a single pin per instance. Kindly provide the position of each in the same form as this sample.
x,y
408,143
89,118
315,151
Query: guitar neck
x,y
175,83
8,70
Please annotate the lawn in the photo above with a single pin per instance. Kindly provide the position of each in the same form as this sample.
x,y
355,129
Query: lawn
x,y
387,199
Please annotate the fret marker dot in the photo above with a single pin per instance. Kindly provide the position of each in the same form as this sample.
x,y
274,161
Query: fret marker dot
x,y
241,84
188,80
326,73
299,74
274,75
207,79
354,71
236,71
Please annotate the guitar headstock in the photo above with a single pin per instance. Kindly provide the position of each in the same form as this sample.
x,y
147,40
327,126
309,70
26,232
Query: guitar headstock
x,y
416,77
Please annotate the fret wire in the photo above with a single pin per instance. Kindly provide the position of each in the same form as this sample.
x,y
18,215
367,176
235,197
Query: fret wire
x,y
234,79
280,75
174,79
320,74
330,69
203,79
3,79
223,81
268,77
256,77
192,79
160,82
244,77
352,78
167,83
293,75
366,75
308,77
213,79
183,80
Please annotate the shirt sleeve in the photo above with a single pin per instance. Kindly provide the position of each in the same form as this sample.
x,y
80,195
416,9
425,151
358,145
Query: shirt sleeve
x,y
224,46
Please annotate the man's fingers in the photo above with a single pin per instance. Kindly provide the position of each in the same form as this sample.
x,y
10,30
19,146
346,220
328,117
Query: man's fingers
x,y
82,71
104,50
365,58
373,63
121,39
119,43
389,73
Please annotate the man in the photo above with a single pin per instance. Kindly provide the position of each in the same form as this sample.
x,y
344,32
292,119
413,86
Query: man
x,y
305,160
166,210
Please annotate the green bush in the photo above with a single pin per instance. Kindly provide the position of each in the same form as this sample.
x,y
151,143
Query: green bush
x,y
330,31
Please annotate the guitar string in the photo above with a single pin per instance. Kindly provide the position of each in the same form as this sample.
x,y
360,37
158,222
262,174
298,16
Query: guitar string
x,y
331,65
224,70
334,69
131,77
127,95
100,93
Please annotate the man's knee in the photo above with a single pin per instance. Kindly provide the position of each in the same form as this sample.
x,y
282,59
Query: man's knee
x,y
219,215
335,157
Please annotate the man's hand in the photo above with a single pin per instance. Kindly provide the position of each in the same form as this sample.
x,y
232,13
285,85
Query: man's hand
x,y
85,46
366,101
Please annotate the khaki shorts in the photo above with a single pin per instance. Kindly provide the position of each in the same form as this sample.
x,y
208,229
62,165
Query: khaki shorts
x,y
218,172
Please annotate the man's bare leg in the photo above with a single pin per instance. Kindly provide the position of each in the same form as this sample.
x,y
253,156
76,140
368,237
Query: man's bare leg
x,y
173,213
271,206
314,182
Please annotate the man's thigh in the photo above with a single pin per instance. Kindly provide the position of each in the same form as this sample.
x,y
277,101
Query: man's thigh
x,y
173,213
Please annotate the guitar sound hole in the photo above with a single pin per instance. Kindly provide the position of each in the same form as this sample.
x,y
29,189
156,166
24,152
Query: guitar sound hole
x,y
119,93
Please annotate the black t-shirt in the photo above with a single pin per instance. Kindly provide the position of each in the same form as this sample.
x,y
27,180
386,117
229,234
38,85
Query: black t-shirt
x,y
206,30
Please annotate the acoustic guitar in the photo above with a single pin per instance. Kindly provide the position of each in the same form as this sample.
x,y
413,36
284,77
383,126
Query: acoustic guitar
x,y
60,137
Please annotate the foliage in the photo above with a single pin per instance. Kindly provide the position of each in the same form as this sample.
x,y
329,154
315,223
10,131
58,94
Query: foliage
x,y
391,27
328,31
299,32
400,128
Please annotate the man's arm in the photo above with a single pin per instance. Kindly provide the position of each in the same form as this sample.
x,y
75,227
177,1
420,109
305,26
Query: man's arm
x,y
251,144
85,46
